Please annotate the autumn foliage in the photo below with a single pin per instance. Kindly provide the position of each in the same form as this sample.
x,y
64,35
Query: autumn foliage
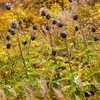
x,y
50,50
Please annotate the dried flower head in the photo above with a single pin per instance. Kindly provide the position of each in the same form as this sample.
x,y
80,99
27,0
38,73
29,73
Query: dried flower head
x,y
8,6
13,24
42,12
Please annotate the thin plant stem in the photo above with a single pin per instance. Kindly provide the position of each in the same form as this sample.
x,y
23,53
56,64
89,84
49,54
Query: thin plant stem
x,y
62,3
51,78
82,33
50,36
85,44
29,46
42,34
57,33
67,55
22,55
20,46
84,39
17,14
89,35
51,40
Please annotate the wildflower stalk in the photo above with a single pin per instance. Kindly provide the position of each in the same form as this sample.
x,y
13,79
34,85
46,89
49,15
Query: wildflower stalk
x,y
22,54
42,34
84,40
20,46
67,55
82,33
57,34
51,40
7,54
49,28
29,46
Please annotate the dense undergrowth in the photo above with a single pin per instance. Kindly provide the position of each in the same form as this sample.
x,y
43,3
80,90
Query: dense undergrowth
x,y
50,51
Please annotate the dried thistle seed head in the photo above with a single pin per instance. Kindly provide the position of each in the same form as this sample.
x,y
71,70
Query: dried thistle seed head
x,y
20,22
53,52
33,37
54,21
34,27
93,29
92,92
8,37
42,11
8,5
8,45
87,94
75,17
24,42
76,28
48,16
9,30
63,34
13,31
70,1
60,24
48,27
13,24
96,38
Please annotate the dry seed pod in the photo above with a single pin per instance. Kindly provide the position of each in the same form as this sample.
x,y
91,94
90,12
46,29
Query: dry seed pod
x,y
8,45
13,24
8,5
63,34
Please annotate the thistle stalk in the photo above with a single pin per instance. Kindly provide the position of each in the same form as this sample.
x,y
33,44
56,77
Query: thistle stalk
x,y
22,54
67,55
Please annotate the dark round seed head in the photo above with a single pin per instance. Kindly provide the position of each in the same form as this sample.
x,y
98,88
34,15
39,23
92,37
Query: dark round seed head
x,y
13,24
54,22
75,17
9,30
8,45
63,34
87,94
96,38
48,16
53,52
93,29
8,37
60,24
24,42
13,31
34,27
43,12
70,1
92,92
33,37
48,27
20,22
8,5
76,28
